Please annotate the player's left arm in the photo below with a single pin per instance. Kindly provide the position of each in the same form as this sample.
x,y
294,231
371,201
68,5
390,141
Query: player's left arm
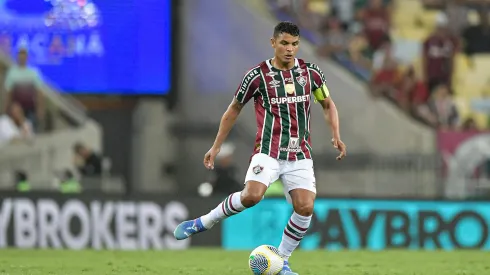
x,y
332,117
330,113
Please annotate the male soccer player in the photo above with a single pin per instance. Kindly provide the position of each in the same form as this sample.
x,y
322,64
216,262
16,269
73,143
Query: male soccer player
x,y
281,88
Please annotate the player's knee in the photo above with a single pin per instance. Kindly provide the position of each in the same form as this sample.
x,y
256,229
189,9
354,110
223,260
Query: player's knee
x,y
251,199
253,193
304,208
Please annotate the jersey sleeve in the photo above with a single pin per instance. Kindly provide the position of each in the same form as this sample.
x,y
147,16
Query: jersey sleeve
x,y
319,86
249,86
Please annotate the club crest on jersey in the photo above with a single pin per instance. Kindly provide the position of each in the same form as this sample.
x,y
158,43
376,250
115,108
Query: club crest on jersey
x,y
301,80
257,169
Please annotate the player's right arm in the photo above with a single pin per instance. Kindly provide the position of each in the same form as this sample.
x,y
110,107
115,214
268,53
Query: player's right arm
x,y
247,89
227,121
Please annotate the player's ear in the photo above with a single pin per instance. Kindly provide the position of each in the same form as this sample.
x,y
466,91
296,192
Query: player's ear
x,y
273,42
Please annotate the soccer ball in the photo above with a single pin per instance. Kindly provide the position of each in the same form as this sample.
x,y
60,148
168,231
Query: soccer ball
x,y
265,260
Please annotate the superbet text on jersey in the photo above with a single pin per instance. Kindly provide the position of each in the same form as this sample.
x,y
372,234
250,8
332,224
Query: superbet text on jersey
x,y
282,107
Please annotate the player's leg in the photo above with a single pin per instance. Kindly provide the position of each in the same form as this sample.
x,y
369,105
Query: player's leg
x,y
262,171
299,182
235,203
298,224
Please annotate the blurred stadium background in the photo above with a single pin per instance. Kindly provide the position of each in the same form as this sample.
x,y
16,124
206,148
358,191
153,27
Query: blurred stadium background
x,y
102,133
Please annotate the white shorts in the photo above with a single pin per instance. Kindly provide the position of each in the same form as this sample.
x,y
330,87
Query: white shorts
x,y
293,174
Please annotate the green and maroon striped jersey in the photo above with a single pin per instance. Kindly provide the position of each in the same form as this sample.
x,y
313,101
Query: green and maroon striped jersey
x,y
282,107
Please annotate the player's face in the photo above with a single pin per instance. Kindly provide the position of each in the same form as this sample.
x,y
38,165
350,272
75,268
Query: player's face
x,y
22,58
285,47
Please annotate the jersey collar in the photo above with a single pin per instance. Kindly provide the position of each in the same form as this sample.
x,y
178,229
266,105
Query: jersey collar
x,y
272,68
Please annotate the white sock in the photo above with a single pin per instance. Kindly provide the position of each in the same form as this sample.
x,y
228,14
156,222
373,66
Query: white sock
x,y
232,205
293,234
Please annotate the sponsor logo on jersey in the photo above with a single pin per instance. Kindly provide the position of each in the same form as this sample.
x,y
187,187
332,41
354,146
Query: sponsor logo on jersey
x,y
271,74
274,83
291,150
293,142
289,99
299,70
247,79
316,68
293,146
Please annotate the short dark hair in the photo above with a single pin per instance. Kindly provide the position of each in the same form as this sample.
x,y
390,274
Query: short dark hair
x,y
286,27
78,147
22,51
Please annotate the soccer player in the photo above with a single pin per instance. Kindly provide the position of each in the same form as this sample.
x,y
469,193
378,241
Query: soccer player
x,y
282,89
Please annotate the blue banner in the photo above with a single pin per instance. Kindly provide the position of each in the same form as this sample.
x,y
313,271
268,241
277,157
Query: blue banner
x,y
93,46
366,224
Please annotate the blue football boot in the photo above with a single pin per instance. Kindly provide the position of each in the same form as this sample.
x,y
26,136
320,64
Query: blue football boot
x,y
286,270
188,228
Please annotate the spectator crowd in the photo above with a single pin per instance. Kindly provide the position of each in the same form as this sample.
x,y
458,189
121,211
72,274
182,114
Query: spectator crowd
x,y
23,115
23,102
358,34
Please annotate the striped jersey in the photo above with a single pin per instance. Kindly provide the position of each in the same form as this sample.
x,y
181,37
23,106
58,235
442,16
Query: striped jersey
x,y
282,102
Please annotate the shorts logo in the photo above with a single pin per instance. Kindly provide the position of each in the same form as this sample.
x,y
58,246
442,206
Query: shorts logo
x,y
257,169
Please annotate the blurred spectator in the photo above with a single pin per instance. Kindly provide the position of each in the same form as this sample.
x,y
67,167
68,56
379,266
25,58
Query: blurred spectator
x,y
384,55
23,85
301,10
386,74
457,15
477,38
366,50
438,55
308,17
5,43
344,10
335,39
377,23
87,161
69,183
14,127
21,182
440,111
412,91
361,4
469,125
359,50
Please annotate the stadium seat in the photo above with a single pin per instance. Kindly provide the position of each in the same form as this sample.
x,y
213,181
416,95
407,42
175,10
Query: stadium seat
x,y
417,34
471,79
320,7
463,105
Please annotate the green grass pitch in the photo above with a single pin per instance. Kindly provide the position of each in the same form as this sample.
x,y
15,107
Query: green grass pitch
x,y
215,261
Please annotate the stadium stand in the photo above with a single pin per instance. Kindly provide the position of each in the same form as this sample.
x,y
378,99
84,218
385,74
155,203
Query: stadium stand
x,y
411,23
44,160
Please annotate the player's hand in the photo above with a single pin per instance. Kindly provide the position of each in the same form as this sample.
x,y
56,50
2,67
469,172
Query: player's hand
x,y
339,145
209,157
